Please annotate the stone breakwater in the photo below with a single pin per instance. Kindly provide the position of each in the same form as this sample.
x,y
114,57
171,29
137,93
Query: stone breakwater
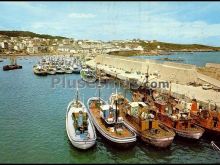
x,y
178,74
169,71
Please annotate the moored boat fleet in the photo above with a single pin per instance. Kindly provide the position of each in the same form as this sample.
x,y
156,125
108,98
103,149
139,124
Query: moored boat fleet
x,y
57,65
154,119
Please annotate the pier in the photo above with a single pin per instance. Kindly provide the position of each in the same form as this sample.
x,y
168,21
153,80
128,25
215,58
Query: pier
x,y
179,75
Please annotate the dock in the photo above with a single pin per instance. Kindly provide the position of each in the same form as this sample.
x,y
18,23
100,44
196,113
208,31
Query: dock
x,y
179,75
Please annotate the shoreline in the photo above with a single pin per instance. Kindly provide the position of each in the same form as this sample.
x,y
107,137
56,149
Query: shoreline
x,y
155,53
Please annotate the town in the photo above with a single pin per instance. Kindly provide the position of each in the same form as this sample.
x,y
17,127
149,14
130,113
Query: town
x,y
35,45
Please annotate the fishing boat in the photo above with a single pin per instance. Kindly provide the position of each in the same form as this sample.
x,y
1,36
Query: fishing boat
x,y
12,66
60,70
104,118
80,129
68,70
206,118
51,71
109,124
39,70
76,69
175,116
143,120
215,147
88,75
1,60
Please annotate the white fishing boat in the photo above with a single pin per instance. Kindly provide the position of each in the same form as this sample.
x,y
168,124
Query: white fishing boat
x,y
76,68
68,70
60,70
79,128
51,71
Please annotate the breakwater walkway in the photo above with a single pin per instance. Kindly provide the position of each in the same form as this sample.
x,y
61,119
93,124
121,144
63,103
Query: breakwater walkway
x,y
178,74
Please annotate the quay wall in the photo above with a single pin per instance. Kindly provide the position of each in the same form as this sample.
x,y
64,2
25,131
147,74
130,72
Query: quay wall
x,y
169,71
214,65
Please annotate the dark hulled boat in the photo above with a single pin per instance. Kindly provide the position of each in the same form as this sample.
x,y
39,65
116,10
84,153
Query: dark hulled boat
x,y
12,66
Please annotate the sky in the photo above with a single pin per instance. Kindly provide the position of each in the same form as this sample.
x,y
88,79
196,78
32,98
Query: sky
x,y
176,22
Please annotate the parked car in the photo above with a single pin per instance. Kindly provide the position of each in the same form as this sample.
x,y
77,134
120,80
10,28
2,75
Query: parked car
x,y
206,86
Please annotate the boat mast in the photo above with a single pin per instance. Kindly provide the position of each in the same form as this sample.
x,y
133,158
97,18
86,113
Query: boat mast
x,y
116,107
77,94
99,88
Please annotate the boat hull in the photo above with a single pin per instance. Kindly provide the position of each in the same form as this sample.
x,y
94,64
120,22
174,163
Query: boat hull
x,y
188,134
118,143
156,142
80,144
11,67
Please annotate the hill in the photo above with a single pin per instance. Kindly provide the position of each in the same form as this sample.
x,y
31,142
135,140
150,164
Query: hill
x,y
29,34
161,48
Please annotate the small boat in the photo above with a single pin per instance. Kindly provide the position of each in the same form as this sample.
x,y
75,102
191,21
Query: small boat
x,y
60,70
38,70
51,71
80,129
215,147
76,69
68,70
104,118
1,60
143,119
88,75
11,67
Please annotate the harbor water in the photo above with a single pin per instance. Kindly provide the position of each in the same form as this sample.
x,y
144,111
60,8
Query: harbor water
x,y
195,58
32,124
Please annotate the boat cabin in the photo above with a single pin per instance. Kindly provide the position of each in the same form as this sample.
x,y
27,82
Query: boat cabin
x,y
80,121
142,115
108,114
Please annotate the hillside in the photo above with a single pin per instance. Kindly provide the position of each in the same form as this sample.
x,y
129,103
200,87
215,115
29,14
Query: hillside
x,y
151,48
176,47
28,34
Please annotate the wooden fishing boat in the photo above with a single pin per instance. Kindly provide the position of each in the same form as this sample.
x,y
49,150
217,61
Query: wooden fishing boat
x,y
80,129
13,65
215,146
88,75
142,119
207,119
173,115
111,127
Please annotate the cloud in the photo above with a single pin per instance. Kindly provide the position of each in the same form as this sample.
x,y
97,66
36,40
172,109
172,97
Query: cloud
x,y
81,15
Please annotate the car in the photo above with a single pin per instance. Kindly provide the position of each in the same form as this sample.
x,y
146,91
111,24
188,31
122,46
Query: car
x,y
206,86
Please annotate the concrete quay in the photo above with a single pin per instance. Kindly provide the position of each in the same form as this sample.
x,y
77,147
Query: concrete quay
x,y
178,74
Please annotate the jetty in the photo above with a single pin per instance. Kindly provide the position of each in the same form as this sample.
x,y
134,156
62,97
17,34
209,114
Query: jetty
x,y
177,75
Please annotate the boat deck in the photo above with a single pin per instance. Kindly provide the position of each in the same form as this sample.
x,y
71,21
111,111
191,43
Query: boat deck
x,y
162,133
125,132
